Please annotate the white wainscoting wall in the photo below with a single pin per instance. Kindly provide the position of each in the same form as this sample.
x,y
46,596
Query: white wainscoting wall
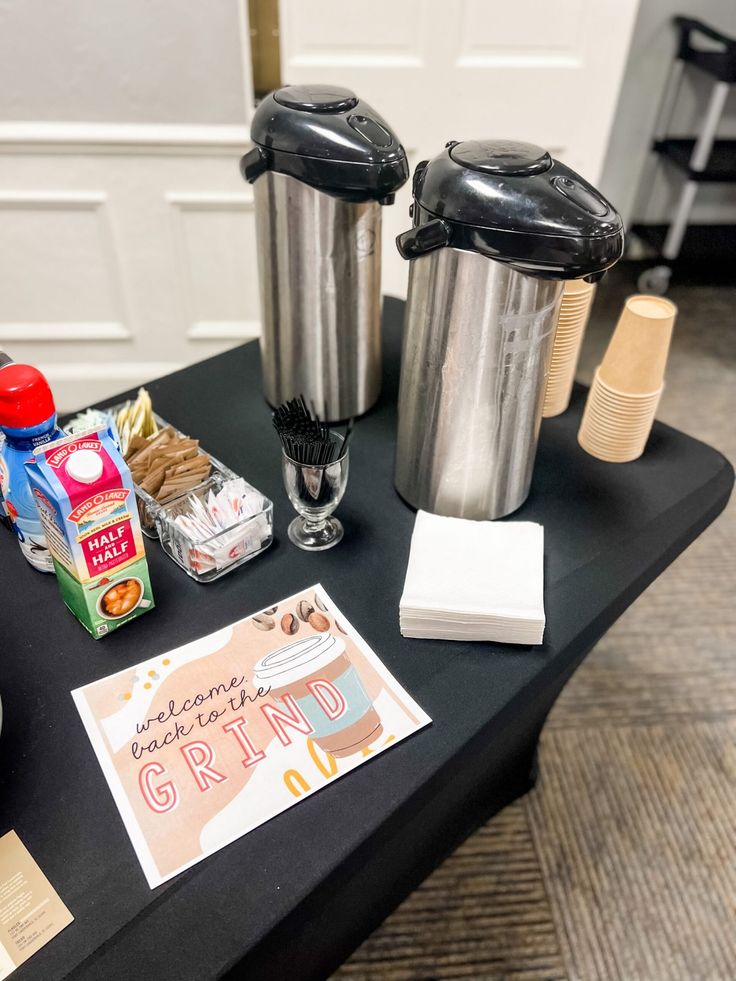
x,y
533,70
126,257
127,241
127,244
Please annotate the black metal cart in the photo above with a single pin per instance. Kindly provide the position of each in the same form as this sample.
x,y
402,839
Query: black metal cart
x,y
702,159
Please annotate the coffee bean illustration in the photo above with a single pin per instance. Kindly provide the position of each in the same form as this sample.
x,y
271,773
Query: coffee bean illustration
x,y
319,604
319,621
304,609
264,622
340,627
289,623
271,610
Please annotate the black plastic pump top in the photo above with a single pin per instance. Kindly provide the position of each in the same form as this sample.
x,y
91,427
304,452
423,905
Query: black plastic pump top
x,y
514,203
327,137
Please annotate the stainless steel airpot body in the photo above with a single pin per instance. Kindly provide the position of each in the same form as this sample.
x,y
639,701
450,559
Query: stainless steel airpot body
x,y
498,226
323,164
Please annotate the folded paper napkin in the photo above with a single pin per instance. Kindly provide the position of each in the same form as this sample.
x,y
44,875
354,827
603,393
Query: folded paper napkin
x,y
474,580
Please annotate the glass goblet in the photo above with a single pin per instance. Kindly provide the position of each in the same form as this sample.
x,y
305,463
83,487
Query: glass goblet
x,y
315,492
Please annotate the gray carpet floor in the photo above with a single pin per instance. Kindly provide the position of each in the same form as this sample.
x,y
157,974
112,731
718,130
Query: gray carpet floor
x,y
621,863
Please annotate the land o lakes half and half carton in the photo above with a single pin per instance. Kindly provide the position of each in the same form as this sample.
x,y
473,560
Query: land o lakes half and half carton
x,y
86,500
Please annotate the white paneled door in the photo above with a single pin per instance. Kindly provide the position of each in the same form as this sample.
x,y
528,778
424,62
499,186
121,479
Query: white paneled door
x,y
442,70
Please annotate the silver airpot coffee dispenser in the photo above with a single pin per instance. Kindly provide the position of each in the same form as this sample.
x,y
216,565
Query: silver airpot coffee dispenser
x,y
323,165
498,226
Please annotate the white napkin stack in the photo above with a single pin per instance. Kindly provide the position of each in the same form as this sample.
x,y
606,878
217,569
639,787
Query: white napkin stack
x,y
474,580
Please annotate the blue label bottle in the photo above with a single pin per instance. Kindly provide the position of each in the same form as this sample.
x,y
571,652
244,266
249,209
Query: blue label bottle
x,y
27,421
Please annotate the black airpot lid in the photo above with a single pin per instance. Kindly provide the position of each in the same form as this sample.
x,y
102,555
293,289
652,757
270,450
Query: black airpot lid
x,y
327,137
513,202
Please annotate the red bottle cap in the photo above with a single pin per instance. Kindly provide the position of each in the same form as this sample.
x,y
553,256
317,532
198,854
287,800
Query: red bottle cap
x,y
25,397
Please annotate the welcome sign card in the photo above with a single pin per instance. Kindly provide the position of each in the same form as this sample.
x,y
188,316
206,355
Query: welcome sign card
x,y
208,741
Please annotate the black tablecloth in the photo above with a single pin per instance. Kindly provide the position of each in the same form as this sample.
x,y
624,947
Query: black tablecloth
x,y
293,897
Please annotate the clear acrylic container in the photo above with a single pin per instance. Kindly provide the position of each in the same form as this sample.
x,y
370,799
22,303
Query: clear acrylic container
x,y
206,559
148,507
203,559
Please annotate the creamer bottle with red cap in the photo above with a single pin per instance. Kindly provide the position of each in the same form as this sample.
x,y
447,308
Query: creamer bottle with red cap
x,y
27,420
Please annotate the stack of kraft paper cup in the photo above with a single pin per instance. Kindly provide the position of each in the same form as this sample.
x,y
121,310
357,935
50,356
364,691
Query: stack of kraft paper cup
x,y
577,300
628,382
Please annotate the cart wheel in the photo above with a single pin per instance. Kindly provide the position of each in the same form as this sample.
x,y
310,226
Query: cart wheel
x,y
655,280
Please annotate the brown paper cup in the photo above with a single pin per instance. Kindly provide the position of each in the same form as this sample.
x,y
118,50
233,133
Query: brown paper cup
x,y
615,426
637,352
622,404
621,411
619,420
610,452
577,299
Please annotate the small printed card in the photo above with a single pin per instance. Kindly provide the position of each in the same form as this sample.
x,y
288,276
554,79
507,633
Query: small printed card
x,y
30,911
211,740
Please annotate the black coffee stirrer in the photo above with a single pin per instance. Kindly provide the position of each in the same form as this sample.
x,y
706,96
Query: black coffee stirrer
x,y
305,439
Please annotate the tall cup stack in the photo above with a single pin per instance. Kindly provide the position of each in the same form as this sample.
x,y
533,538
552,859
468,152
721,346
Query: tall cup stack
x,y
577,300
628,383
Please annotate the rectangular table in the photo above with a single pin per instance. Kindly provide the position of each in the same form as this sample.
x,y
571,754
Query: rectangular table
x,y
297,895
